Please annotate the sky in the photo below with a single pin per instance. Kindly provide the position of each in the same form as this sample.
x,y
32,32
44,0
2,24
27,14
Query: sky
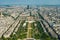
x,y
30,2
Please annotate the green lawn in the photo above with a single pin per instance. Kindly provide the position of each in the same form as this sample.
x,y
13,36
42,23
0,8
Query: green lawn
x,y
36,32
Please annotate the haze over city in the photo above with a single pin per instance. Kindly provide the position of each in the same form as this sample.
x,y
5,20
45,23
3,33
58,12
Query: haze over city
x,y
30,2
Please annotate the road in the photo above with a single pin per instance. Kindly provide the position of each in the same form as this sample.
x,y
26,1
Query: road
x,y
50,30
10,30
29,30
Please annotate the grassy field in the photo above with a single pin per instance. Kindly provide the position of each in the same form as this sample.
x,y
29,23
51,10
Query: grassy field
x,y
31,30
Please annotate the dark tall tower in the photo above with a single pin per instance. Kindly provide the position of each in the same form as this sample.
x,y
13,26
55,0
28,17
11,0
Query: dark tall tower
x,y
27,6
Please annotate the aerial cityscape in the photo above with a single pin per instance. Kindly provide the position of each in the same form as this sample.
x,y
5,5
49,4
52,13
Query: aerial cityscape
x,y
29,23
